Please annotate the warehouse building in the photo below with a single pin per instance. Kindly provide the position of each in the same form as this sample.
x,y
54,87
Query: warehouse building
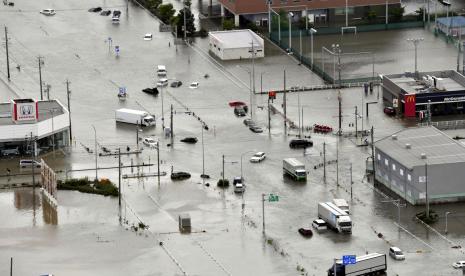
x,y
410,94
236,44
46,122
419,162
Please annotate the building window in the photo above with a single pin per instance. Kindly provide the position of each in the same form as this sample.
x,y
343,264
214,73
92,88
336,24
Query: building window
x,y
386,162
342,11
409,177
401,171
409,193
379,156
422,179
393,167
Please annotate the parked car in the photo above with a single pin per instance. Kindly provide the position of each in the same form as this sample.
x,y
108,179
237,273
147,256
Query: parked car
x,y
239,188
396,253
256,129
189,140
176,84
151,91
180,175
300,143
48,12
194,85
162,82
236,103
459,264
116,13
319,225
97,9
105,13
148,37
239,111
258,157
28,163
150,142
161,70
248,122
390,111
306,232
237,179
10,151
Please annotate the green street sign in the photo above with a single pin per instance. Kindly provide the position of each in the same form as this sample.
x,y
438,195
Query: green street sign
x,y
273,198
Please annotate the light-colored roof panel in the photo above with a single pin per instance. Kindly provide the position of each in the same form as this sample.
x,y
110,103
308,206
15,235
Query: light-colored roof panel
x,y
437,146
237,39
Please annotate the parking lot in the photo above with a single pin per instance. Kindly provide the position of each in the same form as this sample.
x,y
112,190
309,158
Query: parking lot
x,y
227,227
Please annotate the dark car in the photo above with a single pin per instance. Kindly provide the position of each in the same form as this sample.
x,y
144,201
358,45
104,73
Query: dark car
x,y
255,128
97,9
116,13
190,140
240,111
180,175
248,122
390,111
151,91
176,84
300,143
105,13
237,179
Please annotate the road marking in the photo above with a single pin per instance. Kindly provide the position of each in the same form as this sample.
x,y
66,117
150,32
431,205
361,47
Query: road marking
x,y
413,235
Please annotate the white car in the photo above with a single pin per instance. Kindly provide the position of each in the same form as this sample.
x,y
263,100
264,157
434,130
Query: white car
x,y
396,253
459,264
319,224
148,37
162,82
258,157
28,163
48,12
239,188
194,85
150,142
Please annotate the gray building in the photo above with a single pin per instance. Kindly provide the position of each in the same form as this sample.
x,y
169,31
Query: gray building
x,y
419,161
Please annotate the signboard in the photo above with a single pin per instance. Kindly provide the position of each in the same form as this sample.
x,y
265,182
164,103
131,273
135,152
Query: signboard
x,y
272,95
395,103
349,259
117,49
25,110
273,198
410,105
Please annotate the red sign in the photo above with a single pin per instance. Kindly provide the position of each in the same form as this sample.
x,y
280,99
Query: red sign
x,y
272,94
409,105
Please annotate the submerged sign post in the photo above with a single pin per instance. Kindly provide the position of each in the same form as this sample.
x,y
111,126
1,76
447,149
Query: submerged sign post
x,y
271,198
349,259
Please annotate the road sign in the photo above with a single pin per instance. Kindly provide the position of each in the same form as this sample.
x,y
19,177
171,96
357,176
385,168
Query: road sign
x,y
117,49
273,198
122,90
349,259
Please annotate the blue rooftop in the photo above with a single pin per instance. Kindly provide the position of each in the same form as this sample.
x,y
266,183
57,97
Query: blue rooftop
x,y
452,21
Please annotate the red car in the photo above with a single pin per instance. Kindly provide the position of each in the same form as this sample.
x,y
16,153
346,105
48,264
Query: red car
x,y
390,111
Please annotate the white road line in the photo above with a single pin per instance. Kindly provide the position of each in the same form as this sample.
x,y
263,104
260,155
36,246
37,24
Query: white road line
x,y
413,235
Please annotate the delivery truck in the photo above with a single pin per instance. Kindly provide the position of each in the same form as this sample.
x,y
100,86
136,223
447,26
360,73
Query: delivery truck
x,y
132,116
370,264
294,168
335,218
342,204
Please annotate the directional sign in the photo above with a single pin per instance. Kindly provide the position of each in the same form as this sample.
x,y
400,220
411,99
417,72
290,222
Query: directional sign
x,y
122,90
349,259
117,49
273,198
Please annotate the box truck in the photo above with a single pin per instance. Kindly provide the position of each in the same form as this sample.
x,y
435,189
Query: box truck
x,y
132,116
369,264
335,218
294,168
342,204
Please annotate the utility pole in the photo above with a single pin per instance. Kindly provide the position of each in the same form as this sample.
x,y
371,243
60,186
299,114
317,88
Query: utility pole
x,y
7,55
339,99
269,116
119,178
137,135
263,212
33,157
158,163
68,92
253,78
11,266
426,190
458,48
40,77
171,125
356,119
324,162
351,182
223,170
337,161
203,154
185,30
415,42
373,153
429,112
95,148
285,104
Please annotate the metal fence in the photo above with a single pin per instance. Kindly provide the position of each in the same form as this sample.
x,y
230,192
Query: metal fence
x,y
446,125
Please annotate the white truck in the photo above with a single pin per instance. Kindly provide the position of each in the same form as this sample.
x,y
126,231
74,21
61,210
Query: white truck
x,y
342,204
370,264
335,218
132,116
294,168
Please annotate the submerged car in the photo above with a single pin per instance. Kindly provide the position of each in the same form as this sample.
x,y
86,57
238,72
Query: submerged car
x,y
194,85
459,264
389,111
150,142
300,143
396,253
148,37
105,13
176,84
97,9
48,12
258,157
240,111
180,175
189,140
256,129
319,225
151,91
162,82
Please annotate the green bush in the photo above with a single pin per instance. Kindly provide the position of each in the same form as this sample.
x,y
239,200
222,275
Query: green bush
x,y
228,24
223,183
103,187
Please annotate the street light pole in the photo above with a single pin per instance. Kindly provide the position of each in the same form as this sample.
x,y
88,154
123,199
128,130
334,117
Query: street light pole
x,y
158,163
290,32
7,55
95,148
445,230
203,154
311,39
337,50
415,42
40,77
263,212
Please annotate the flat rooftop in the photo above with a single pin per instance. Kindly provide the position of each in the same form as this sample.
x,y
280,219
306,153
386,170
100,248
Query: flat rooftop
x,y
449,81
237,38
46,108
436,145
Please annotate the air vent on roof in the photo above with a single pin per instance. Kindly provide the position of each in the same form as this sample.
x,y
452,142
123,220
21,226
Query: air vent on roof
x,y
408,146
394,137
423,156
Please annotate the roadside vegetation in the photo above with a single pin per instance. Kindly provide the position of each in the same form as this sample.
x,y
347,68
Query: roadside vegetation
x,y
103,187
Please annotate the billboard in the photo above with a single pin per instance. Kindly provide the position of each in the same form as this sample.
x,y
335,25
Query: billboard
x,y
25,110
409,105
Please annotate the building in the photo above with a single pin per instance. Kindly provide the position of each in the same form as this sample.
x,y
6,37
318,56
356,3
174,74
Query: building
x,y
318,11
452,25
236,44
416,161
444,91
46,122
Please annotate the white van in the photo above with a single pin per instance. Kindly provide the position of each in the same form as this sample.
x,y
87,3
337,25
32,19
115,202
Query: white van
x,y
161,70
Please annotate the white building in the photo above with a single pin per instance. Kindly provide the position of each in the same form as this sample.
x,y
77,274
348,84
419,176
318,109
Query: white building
x,y
47,122
236,44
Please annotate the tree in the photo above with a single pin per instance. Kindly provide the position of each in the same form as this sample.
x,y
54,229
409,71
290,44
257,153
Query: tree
x,y
396,13
371,16
166,12
228,24
152,5
189,21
